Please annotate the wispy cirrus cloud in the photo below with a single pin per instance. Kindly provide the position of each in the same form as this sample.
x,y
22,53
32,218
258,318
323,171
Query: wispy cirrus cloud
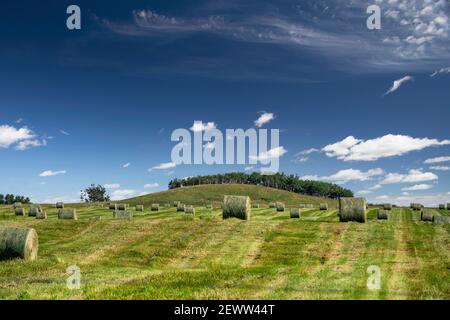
x,y
397,84
264,118
437,160
51,173
164,166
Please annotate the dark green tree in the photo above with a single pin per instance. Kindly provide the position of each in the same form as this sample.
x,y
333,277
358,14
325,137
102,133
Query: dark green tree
x,y
94,193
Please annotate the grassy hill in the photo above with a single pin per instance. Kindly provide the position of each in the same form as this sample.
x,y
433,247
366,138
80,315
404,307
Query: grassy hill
x,y
171,255
204,194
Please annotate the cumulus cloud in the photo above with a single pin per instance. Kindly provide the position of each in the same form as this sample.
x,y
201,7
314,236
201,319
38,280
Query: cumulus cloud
x,y
121,194
413,176
418,187
151,185
347,175
199,126
126,165
50,173
270,154
397,84
428,200
263,119
112,186
437,160
364,192
23,137
352,149
164,166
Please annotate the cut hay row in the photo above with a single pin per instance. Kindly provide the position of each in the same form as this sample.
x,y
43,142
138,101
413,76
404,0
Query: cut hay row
x,y
352,209
426,215
189,210
154,207
67,214
323,206
295,213
236,207
280,207
382,214
18,243
122,215
139,207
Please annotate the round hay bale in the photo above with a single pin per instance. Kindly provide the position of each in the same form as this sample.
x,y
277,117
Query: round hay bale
x,y
139,207
442,207
302,205
155,207
426,215
448,206
189,210
122,215
209,206
17,205
176,203
33,211
180,207
382,214
59,205
122,206
280,207
236,207
441,220
19,211
255,205
113,206
41,215
323,206
352,209
272,205
67,214
295,213
18,243
387,206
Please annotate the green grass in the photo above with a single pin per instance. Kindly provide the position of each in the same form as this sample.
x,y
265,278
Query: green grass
x,y
169,255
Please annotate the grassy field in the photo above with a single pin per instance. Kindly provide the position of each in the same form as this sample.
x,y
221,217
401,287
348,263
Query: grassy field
x,y
168,255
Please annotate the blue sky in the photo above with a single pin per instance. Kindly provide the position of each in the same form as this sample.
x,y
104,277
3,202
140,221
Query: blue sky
x,y
76,106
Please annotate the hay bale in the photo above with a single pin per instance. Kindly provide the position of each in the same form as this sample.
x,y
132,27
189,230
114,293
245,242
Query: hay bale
x,y
441,220
17,205
295,213
19,211
426,215
323,206
387,206
209,206
272,205
352,209
155,207
176,203
255,205
41,215
310,205
302,205
442,207
448,206
139,207
122,206
189,210
180,207
416,206
67,214
122,214
236,207
280,207
18,243
113,206
59,205
382,214
34,210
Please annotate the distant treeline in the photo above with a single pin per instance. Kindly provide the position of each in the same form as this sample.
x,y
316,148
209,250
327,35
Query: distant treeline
x,y
279,181
10,199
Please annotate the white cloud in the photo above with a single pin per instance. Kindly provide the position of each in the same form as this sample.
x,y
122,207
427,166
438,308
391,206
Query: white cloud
x,y
437,160
121,194
270,154
27,144
344,176
364,192
249,168
418,187
441,71
199,126
64,132
440,168
50,173
352,149
263,119
164,166
430,200
126,165
302,159
398,83
151,185
10,135
112,186
376,187
413,176
20,120
308,151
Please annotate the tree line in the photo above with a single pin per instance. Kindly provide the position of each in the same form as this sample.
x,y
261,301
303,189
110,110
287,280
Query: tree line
x,y
10,199
280,181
